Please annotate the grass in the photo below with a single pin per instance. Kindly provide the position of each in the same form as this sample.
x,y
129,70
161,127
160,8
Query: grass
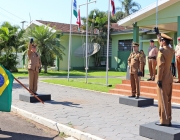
x,y
97,84
24,73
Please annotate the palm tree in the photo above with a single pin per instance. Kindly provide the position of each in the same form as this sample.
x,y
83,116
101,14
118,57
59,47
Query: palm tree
x,y
129,7
48,42
98,22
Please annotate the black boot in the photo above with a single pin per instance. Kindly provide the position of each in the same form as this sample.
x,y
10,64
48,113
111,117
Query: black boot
x,y
132,96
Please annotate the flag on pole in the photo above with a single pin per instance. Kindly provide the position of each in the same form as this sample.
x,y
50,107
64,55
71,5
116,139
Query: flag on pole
x,y
75,8
79,19
6,83
113,7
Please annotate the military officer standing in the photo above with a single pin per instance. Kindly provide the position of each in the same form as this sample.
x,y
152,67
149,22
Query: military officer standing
x,y
164,79
34,64
152,54
135,63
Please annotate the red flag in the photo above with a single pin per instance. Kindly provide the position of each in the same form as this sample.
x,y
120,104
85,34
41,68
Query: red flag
x,y
113,7
79,19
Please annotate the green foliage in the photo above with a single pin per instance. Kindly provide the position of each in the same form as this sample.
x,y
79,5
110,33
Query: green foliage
x,y
128,7
50,59
48,43
10,41
98,22
9,62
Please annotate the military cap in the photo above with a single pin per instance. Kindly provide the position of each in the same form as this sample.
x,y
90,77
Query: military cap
x,y
135,44
164,36
151,40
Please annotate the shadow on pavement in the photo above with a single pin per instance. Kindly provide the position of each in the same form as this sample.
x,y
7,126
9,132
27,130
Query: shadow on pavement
x,y
20,136
65,103
17,85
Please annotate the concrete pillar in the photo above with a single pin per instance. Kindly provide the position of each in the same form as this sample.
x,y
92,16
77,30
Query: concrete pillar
x,y
141,43
57,63
175,40
178,27
135,32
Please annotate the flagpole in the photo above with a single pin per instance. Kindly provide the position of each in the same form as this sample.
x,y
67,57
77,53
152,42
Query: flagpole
x,y
86,68
107,59
69,53
86,38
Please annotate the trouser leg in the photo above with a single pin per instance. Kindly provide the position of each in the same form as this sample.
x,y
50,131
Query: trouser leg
x,y
35,81
150,67
31,80
137,84
154,63
165,94
133,86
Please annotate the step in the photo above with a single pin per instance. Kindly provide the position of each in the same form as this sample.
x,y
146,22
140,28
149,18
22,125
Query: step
x,y
143,94
152,90
176,86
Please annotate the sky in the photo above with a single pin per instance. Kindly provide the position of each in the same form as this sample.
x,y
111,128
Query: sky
x,y
16,11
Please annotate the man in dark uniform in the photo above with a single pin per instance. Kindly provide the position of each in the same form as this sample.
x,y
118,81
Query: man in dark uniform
x,y
135,63
164,79
34,64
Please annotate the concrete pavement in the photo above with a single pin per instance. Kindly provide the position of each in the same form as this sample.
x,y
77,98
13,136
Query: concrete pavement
x,y
91,112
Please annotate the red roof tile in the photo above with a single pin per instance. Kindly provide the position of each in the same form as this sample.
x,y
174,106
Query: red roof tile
x,y
66,27
61,26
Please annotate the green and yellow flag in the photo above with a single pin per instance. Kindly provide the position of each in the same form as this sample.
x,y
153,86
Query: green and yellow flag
x,y
6,83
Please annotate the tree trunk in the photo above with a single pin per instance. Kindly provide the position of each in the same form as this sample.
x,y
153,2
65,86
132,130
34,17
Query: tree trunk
x,y
45,68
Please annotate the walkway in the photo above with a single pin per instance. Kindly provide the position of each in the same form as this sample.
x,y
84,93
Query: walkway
x,y
92,112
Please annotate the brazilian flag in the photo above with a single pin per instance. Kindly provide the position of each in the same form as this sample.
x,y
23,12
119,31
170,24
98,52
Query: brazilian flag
x,y
6,83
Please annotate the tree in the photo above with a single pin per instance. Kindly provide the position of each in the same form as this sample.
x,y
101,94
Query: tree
x,y
9,42
129,7
48,42
98,22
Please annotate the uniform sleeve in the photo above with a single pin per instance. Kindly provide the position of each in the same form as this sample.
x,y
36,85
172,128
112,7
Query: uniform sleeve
x,y
129,60
29,49
141,60
161,63
156,51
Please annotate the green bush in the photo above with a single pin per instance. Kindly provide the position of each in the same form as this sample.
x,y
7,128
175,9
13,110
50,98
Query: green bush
x,y
9,62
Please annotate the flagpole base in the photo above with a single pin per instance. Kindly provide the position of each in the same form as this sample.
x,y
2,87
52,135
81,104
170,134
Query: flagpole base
x,y
31,99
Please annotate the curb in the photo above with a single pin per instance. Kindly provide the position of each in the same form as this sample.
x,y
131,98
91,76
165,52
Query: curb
x,y
54,125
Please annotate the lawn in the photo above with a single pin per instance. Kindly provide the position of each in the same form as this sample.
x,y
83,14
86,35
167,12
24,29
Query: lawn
x,y
97,84
24,73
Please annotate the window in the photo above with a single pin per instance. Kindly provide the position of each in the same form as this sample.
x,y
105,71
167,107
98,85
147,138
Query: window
x,y
104,49
124,45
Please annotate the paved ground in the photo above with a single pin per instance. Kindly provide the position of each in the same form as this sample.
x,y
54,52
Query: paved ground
x,y
14,127
96,113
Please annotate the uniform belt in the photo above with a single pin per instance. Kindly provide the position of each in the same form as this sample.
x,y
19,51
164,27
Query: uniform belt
x,y
154,57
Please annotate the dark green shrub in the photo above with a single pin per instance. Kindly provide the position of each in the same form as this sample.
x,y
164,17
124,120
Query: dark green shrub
x,y
9,62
